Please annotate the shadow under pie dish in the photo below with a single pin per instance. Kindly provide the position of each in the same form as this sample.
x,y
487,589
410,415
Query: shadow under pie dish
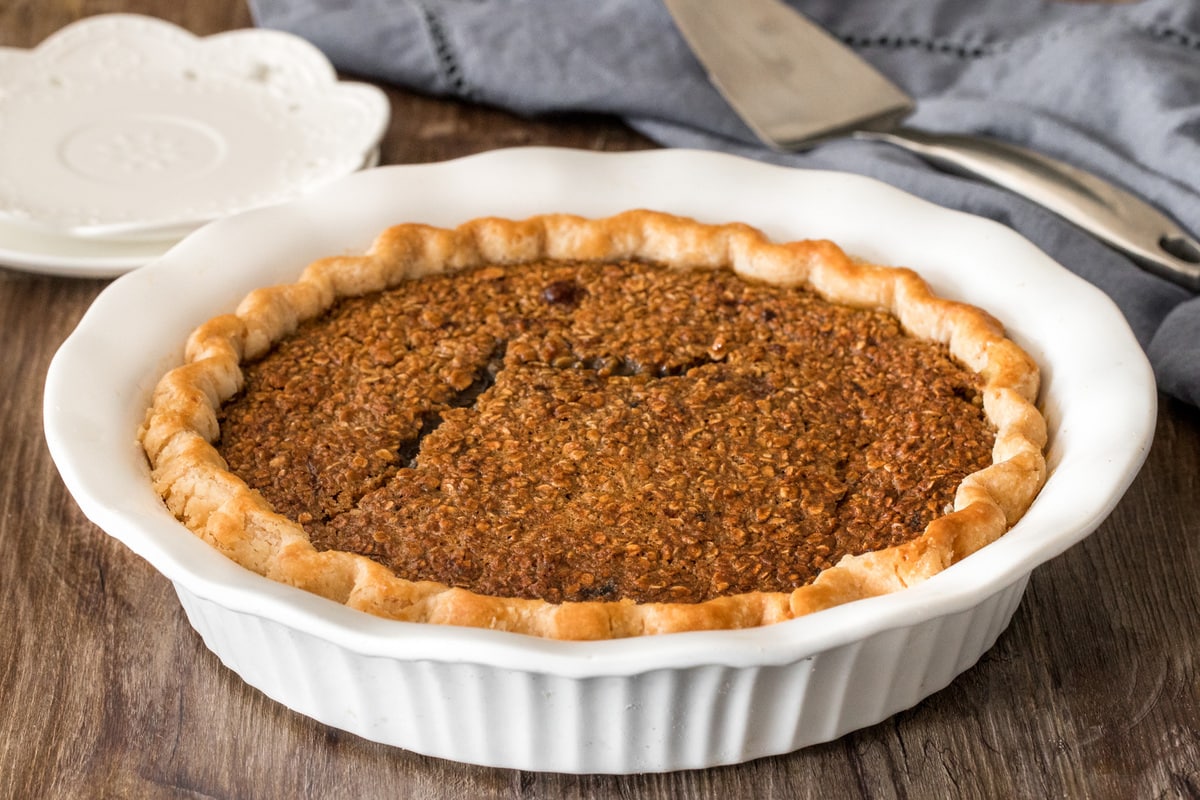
x,y
598,428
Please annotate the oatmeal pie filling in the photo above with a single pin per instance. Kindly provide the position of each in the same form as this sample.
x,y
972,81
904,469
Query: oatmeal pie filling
x,y
605,431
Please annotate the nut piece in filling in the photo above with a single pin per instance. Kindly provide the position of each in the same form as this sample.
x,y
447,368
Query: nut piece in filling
x,y
606,441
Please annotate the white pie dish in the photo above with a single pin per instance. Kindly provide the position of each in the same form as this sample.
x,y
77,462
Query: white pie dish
x,y
647,704
125,127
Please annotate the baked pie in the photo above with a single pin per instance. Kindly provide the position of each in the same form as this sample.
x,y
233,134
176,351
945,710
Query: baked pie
x,y
598,428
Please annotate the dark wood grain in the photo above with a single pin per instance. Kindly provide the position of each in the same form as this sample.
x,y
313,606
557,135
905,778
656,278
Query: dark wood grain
x,y
105,690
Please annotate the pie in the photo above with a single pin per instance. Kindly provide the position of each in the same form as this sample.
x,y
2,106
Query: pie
x,y
598,428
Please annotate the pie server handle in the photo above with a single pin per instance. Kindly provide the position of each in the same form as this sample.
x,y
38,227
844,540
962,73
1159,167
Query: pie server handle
x,y
1113,215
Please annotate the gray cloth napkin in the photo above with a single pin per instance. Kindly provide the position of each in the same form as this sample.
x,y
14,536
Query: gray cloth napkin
x,y
1113,89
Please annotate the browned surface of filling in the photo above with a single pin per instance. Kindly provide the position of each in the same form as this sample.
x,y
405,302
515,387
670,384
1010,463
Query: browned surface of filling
x,y
598,432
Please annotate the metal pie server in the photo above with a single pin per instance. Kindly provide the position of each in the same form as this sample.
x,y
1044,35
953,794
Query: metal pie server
x,y
794,84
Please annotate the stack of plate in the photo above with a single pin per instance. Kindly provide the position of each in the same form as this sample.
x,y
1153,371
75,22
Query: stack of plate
x,y
120,134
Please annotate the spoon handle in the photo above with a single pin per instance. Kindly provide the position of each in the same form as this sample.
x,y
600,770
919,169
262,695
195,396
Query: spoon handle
x,y
1113,215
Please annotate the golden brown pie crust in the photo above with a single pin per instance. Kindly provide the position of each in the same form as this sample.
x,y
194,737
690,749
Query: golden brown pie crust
x,y
219,507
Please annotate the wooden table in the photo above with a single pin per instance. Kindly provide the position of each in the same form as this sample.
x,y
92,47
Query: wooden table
x,y
105,690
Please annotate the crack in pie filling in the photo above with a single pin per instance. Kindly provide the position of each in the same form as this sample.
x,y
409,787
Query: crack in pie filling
x,y
589,429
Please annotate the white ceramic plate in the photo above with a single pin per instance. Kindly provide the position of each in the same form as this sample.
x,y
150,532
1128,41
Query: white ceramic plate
x,y
126,127
33,250
648,704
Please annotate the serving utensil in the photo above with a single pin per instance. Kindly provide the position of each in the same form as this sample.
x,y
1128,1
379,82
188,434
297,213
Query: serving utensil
x,y
794,85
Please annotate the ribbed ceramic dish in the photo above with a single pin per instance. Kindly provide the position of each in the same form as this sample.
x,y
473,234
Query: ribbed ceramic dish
x,y
647,704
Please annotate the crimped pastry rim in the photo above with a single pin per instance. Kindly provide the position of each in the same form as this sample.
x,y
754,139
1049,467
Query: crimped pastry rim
x,y
222,510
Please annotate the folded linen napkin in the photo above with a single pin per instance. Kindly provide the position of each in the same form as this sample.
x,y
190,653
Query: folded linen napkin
x,y
1112,88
